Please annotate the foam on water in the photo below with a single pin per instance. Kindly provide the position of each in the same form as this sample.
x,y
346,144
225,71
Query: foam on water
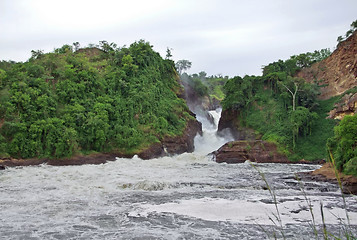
x,y
187,196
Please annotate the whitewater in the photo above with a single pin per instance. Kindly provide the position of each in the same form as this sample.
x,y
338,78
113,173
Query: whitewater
x,y
187,196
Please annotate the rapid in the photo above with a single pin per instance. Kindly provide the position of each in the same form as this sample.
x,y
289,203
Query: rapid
x,y
187,196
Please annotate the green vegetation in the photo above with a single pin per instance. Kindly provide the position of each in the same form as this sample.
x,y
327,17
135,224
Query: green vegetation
x,y
282,108
211,86
353,28
343,145
109,99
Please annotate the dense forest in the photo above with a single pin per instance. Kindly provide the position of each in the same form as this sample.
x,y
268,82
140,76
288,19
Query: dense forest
x,y
285,109
73,101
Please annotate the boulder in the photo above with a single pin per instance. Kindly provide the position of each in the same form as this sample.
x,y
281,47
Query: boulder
x,y
255,151
252,150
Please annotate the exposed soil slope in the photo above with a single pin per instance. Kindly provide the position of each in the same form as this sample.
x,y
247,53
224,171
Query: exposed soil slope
x,y
338,72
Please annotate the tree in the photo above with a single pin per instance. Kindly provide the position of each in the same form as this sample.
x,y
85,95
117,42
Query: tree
x,y
64,49
107,47
60,103
339,39
36,54
76,46
292,86
168,53
302,121
183,65
238,93
343,145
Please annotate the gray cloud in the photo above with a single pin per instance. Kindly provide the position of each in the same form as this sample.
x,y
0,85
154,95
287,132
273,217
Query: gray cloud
x,y
225,36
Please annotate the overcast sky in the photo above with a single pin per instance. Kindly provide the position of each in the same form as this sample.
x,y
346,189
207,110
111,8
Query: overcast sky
x,y
228,37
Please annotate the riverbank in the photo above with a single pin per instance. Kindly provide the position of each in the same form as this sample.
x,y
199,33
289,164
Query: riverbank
x,y
327,174
168,146
95,158
266,152
255,151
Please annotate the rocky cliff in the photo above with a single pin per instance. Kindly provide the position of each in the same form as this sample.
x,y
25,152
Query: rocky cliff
x,y
337,74
174,145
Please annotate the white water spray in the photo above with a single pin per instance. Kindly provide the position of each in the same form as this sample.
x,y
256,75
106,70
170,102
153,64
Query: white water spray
x,y
185,196
210,141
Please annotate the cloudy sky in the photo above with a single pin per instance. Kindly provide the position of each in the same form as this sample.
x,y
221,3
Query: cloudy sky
x,y
228,37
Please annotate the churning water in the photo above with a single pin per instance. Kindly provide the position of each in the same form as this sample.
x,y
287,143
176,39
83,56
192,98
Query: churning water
x,y
187,196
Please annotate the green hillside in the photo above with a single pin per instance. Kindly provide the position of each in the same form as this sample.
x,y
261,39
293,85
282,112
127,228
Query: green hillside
x,y
105,99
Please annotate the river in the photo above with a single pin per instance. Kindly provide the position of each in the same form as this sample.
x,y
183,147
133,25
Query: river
x,y
187,196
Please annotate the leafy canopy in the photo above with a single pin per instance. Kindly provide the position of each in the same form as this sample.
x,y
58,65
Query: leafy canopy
x,y
93,99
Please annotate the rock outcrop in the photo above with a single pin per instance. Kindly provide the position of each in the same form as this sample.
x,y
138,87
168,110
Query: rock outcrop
x,y
346,106
338,72
229,120
174,145
254,150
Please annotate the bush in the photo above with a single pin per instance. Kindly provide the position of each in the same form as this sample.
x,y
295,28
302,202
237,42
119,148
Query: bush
x,y
344,145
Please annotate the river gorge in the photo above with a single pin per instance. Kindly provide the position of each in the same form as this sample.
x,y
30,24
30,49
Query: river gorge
x,y
186,196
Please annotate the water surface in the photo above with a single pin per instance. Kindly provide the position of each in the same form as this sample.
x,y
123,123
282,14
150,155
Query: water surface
x,y
187,196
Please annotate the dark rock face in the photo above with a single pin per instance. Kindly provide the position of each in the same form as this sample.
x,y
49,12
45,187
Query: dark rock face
x,y
229,120
254,150
349,187
346,106
155,150
174,145
2,167
184,143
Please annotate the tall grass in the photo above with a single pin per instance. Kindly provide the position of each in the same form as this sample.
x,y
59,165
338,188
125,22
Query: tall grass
x,y
346,233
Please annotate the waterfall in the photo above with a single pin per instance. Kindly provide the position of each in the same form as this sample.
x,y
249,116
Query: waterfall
x,y
210,141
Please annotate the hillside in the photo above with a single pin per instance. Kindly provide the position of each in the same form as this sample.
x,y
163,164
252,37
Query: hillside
x,y
335,75
295,102
338,72
121,101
